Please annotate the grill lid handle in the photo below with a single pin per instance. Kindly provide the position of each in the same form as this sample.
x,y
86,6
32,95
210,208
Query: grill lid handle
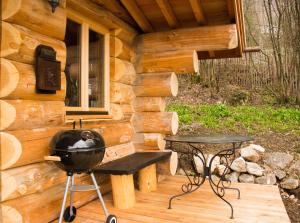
x,y
52,158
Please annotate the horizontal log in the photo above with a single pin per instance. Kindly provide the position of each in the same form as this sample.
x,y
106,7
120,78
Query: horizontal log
x,y
23,147
205,38
149,141
127,109
29,208
37,16
29,179
180,62
122,71
169,166
149,104
26,114
118,151
156,85
156,122
18,81
121,49
19,44
121,93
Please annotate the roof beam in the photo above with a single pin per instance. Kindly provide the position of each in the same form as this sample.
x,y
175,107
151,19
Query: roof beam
x,y
138,15
168,13
230,8
198,11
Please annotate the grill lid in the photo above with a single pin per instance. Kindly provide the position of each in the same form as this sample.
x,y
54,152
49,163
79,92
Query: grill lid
x,y
77,140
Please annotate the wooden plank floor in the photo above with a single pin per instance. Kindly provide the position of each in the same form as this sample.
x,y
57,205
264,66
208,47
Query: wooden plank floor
x,y
258,203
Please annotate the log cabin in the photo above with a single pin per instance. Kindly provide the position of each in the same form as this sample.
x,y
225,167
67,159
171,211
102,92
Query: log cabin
x,y
118,61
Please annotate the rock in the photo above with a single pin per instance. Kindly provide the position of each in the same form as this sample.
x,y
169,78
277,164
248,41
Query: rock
x,y
199,164
180,172
239,165
280,174
215,162
289,183
278,160
258,148
215,178
233,177
246,178
250,154
295,169
284,195
220,169
292,196
254,169
269,179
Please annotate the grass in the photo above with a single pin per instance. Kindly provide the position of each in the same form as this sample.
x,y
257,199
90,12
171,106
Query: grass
x,y
251,118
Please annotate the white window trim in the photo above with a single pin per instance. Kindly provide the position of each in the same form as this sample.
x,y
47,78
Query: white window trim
x,y
87,24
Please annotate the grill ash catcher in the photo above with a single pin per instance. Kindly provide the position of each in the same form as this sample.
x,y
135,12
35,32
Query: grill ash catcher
x,y
78,151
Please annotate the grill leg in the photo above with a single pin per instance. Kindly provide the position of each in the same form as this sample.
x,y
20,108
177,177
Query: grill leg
x,y
71,196
64,200
99,195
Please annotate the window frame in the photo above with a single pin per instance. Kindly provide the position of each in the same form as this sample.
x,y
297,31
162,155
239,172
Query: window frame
x,y
84,111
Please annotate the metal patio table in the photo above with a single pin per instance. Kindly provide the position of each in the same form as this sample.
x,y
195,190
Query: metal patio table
x,y
196,179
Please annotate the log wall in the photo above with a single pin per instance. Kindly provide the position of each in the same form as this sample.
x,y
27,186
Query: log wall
x,y
29,120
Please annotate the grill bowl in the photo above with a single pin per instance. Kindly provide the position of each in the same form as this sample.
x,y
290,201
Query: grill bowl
x,y
80,150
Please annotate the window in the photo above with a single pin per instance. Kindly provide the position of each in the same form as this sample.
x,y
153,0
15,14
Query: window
x,y
87,68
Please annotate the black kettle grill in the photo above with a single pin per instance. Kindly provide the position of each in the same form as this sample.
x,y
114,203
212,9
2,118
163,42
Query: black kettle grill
x,y
78,151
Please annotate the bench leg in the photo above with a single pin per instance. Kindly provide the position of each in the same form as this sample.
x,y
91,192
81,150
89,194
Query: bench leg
x,y
147,179
123,191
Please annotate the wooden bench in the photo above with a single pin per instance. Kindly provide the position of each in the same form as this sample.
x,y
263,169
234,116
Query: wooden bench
x,y
121,172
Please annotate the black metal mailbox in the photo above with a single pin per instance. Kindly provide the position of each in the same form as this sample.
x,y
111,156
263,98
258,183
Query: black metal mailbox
x,y
47,70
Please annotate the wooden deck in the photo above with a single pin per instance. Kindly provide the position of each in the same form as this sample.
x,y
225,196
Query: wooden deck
x,y
258,203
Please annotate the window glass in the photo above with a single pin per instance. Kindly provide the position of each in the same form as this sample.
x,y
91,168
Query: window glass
x,y
96,69
72,70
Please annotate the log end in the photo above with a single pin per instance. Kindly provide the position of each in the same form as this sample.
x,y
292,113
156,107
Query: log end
x,y
9,214
174,123
11,150
9,78
174,85
10,8
195,62
8,114
8,186
10,40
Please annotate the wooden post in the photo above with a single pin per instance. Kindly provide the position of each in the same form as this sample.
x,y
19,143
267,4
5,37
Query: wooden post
x,y
147,179
123,191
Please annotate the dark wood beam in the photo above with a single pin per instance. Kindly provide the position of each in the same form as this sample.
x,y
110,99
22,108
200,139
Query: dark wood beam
x,y
138,15
168,13
198,11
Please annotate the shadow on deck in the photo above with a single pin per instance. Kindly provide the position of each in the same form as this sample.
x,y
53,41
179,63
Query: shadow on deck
x,y
258,203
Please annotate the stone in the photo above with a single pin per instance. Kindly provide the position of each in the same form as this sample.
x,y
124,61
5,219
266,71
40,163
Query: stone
x,y
295,169
289,183
278,160
233,177
246,178
220,169
269,179
280,174
258,148
199,164
250,154
254,169
239,165
180,172
284,195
